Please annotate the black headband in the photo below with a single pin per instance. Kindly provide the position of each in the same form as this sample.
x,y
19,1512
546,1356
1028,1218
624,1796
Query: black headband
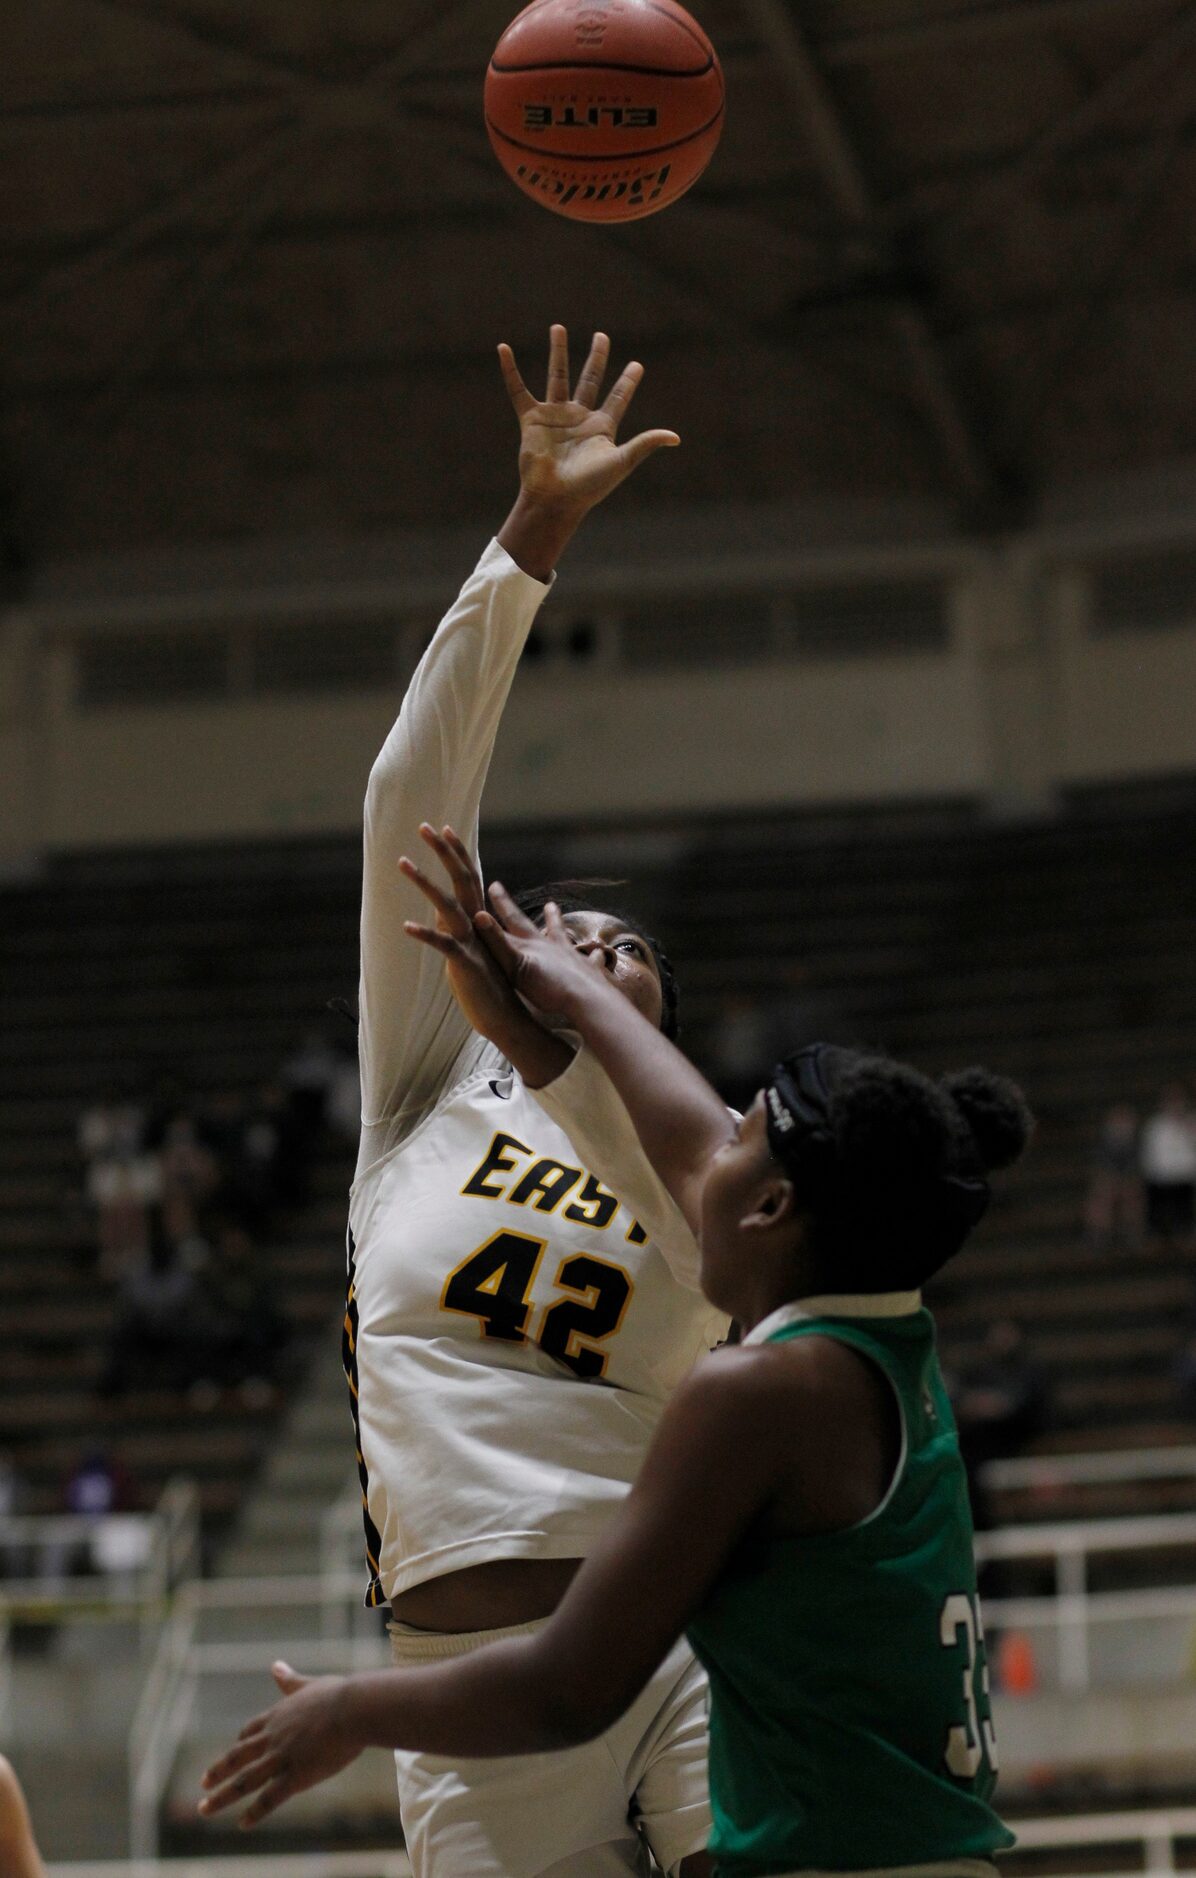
x,y
797,1104
801,1138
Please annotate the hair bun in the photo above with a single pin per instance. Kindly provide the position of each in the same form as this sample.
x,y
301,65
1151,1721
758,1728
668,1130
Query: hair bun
x,y
995,1111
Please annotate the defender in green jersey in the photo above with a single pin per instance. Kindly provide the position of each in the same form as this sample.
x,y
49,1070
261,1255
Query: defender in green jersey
x,y
802,1511
850,1716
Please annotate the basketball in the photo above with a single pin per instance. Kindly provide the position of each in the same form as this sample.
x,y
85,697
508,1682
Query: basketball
x,y
604,110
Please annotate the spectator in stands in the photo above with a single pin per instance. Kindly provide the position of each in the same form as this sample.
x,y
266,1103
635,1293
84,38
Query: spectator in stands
x,y
1167,1160
19,1856
240,1332
1001,1402
153,1337
190,1174
246,1140
99,1485
122,1180
1114,1205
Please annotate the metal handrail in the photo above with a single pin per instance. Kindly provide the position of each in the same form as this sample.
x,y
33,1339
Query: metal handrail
x,y
165,1711
1156,1832
1124,1465
169,1695
269,1865
1076,1538
170,1555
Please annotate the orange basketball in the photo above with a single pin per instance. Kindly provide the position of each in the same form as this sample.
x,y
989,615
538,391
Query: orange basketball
x,y
604,110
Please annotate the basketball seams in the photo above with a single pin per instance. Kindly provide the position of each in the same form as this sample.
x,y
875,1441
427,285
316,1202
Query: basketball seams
x,y
601,65
616,156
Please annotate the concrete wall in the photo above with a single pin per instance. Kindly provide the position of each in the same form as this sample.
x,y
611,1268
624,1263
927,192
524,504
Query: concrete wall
x,y
1023,699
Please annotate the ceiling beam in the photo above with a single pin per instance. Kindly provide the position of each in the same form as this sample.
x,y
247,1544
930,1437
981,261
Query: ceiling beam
x,y
974,24
1152,62
214,183
1101,274
292,159
194,34
167,105
850,191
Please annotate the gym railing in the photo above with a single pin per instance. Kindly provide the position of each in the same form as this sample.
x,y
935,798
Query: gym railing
x,y
1152,1839
70,1566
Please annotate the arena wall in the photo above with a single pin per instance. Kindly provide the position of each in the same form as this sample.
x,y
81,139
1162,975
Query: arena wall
x,y
1028,689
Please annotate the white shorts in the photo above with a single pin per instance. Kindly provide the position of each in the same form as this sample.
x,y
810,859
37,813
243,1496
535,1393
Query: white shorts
x,y
582,1812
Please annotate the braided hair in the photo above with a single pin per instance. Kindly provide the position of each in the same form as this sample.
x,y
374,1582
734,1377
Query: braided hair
x,y
577,896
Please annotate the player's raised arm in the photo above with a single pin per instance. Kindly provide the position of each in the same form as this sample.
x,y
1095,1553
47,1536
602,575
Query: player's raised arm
x,y
434,762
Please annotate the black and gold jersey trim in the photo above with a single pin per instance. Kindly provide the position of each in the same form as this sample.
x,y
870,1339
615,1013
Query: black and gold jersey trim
x,y
374,1596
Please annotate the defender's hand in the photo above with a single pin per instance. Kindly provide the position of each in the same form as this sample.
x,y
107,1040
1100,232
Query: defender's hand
x,y
294,1745
544,966
480,989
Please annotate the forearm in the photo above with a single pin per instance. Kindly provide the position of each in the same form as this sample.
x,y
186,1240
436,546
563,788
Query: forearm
x,y
507,1698
679,1118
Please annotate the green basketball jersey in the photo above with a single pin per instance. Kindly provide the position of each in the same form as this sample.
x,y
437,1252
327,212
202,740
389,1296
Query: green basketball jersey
x,y
850,1722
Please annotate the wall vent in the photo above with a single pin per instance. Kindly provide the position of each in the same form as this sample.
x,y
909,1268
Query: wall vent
x,y
325,655
122,668
1145,591
902,616
810,622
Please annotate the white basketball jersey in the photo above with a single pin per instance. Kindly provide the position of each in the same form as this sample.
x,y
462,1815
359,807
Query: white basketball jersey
x,y
516,1335
522,1291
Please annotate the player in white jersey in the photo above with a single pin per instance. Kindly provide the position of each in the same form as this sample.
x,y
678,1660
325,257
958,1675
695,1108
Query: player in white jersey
x,y
514,1326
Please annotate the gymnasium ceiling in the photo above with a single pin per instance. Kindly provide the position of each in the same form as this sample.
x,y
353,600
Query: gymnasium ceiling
x,y
255,255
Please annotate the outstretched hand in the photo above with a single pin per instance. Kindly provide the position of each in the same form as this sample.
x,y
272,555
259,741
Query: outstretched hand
x,y
569,457
300,1741
569,454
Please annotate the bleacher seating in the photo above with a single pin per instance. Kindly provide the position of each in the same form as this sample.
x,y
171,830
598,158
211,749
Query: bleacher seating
x,y
1059,952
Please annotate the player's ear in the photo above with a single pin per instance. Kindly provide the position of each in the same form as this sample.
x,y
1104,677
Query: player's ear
x,y
772,1204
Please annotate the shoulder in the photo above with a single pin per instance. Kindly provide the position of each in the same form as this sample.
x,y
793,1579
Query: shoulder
x,y
817,1382
756,1382
765,1412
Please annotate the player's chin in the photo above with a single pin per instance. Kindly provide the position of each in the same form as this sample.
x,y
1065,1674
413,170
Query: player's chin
x,y
645,996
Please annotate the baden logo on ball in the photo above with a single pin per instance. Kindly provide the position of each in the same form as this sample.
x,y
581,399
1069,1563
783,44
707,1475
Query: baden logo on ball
x,y
604,110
